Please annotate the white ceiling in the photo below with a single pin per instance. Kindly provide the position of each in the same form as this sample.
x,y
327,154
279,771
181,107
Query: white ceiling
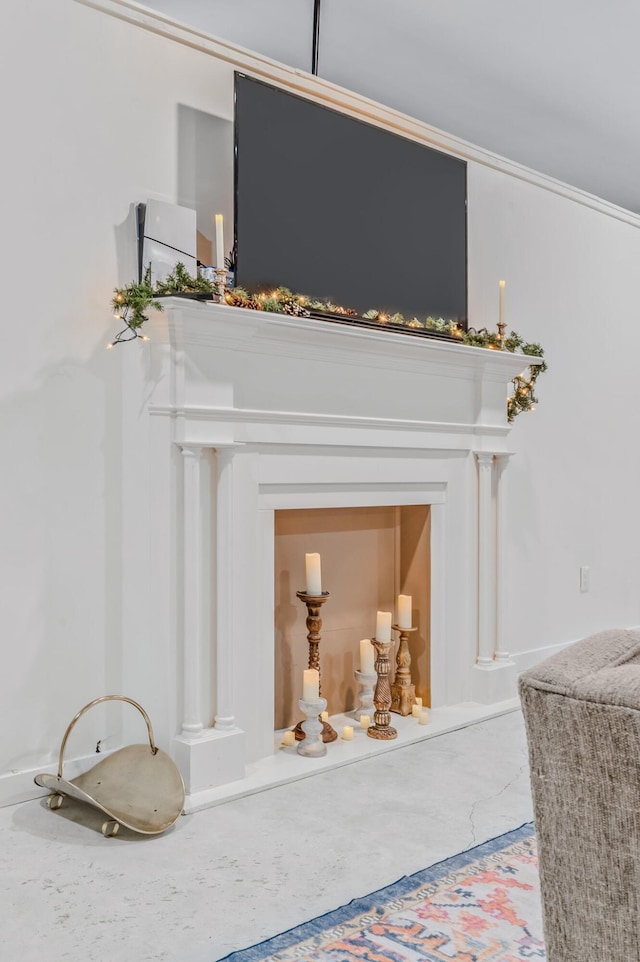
x,y
555,85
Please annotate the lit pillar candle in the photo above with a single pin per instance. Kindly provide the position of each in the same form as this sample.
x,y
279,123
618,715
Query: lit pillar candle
x,y
219,242
367,660
404,611
383,626
310,684
501,287
314,578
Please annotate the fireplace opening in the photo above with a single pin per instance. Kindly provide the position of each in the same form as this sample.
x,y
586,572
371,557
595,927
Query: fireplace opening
x,y
369,555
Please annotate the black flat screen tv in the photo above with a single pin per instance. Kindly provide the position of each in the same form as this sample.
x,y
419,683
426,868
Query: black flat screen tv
x,y
344,211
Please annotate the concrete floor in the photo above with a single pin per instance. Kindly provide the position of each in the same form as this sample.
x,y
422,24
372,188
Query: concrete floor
x,y
230,876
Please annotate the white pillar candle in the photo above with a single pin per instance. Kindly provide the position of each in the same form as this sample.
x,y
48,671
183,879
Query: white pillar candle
x,y
314,578
365,721
423,717
501,287
219,242
324,716
415,710
418,701
289,738
367,659
310,684
404,611
347,733
383,626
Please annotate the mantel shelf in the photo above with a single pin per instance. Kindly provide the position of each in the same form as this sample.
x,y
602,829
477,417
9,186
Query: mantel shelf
x,y
209,324
252,377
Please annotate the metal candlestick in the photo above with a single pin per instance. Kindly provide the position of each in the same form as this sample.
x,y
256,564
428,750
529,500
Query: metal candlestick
x,y
366,680
381,727
403,692
314,624
312,744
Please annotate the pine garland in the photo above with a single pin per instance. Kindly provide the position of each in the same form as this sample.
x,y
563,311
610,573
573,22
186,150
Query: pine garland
x,y
129,305
180,281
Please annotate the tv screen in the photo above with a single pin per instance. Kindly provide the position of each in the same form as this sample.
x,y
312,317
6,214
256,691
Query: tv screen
x,y
343,211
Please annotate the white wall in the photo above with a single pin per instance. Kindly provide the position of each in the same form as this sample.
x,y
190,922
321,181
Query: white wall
x,y
90,124
571,285
91,110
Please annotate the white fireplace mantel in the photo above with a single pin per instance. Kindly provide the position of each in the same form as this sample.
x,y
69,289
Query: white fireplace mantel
x,y
251,412
242,374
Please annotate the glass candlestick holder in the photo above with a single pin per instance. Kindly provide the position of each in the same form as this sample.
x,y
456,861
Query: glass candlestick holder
x,y
312,744
367,681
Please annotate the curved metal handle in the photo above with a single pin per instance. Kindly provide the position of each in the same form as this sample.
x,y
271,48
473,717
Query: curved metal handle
x,y
97,701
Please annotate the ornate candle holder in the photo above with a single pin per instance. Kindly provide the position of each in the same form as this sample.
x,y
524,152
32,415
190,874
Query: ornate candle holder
x,y
381,727
221,283
366,680
403,692
312,744
314,624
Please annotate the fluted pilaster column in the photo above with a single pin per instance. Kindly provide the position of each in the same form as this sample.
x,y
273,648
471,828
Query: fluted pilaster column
x,y
501,655
225,718
486,560
193,597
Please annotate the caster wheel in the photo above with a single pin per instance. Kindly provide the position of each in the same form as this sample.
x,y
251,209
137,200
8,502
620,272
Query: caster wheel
x,y
110,828
54,801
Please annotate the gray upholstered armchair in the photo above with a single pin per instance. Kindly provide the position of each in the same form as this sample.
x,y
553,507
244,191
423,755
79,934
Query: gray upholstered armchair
x,y
582,716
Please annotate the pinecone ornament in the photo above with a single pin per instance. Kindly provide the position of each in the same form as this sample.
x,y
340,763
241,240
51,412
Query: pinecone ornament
x,y
295,309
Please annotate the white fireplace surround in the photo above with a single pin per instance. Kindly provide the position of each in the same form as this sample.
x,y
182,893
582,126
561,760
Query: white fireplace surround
x,y
248,412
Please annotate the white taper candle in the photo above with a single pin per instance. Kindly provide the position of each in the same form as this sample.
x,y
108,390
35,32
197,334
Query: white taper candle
x,y
219,242
314,576
404,611
367,659
383,626
310,684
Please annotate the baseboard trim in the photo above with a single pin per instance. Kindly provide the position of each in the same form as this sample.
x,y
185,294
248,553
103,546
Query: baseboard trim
x,y
527,659
18,786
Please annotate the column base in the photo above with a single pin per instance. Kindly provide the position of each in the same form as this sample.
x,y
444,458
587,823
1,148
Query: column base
x,y
210,758
493,683
402,698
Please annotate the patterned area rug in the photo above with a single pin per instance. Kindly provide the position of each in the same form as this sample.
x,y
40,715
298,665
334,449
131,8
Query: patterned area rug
x,y
481,906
